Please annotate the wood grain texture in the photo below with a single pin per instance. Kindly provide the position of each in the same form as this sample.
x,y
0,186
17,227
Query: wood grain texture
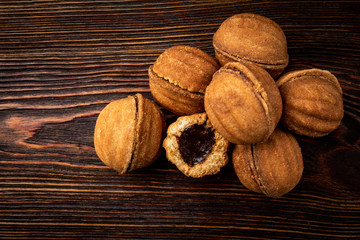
x,y
61,62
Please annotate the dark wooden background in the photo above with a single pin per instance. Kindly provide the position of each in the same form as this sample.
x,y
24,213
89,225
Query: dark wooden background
x,y
61,62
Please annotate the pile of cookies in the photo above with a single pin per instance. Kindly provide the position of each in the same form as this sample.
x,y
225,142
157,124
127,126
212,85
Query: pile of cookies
x,y
239,98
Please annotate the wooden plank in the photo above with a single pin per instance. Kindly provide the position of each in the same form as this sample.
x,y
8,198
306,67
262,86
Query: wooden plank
x,y
62,62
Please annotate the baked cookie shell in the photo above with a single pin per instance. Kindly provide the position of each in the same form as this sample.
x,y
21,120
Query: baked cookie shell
x,y
312,99
179,77
252,38
187,67
128,133
273,167
243,103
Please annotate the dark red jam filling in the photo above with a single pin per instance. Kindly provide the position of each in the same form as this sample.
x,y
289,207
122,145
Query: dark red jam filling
x,y
196,143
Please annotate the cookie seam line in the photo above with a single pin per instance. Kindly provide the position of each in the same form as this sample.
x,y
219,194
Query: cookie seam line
x,y
281,63
176,85
254,170
135,133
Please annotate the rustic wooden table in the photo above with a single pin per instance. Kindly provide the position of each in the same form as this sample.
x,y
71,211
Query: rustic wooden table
x,y
61,62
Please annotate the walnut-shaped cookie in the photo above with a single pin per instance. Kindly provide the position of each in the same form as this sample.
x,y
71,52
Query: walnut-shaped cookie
x,y
243,103
312,101
273,167
195,147
252,38
179,77
128,133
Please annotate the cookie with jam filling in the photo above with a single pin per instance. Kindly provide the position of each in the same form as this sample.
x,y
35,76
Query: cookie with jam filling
x,y
195,147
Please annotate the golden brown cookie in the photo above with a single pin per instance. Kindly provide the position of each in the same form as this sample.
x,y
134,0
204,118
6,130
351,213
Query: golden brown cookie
x,y
195,147
312,101
273,167
252,38
179,77
243,103
128,133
